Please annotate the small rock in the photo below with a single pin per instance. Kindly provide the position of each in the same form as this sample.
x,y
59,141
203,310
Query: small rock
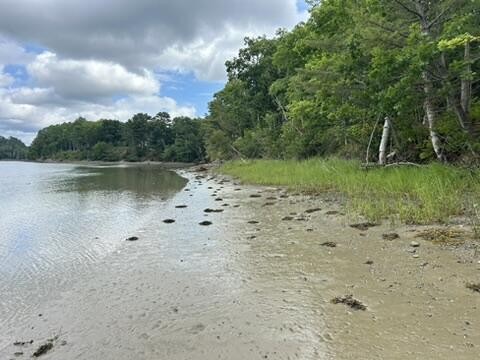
x,y
369,262
390,236
168,221
330,244
132,238
205,223
363,226
415,244
416,256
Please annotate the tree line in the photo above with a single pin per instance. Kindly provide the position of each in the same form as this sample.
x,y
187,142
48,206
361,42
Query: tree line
x,y
380,80
143,137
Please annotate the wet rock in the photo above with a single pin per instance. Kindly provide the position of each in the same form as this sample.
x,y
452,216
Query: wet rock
x,y
287,218
369,262
218,199
332,212
255,196
329,244
350,301
205,223
253,222
181,206
18,353
132,238
363,226
311,211
390,236
414,244
271,198
269,204
473,287
209,211
168,221
43,349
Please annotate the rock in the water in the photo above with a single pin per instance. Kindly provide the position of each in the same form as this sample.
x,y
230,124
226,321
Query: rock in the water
x,y
287,218
208,211
311,211
415,244
168,221
181,206
205,223
43,349
253,222
132,238
255,196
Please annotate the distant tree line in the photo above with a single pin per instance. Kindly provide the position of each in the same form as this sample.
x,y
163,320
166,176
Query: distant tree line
x,y
143,137
12,149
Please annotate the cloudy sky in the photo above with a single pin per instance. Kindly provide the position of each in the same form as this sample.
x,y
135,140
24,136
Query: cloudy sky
x,y
60,59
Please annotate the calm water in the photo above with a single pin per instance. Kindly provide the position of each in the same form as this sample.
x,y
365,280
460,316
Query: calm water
x,y
56,219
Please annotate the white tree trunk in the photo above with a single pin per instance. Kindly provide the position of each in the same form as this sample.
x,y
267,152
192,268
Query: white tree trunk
x,y
382,152
432,118
466,91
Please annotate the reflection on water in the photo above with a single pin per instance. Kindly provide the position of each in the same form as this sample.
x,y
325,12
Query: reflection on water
x,y
141,180
57,218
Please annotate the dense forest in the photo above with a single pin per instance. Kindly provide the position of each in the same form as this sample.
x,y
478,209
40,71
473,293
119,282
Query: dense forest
x,y
357,69
378,80
12,149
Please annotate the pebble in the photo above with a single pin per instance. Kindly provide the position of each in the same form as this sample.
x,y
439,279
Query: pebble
x,y
414,244
416,256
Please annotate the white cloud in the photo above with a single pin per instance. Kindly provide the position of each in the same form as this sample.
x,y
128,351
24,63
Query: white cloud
x,y
89,79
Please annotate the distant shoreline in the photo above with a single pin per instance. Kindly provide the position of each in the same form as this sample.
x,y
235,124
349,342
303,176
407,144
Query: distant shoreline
x,y
168,165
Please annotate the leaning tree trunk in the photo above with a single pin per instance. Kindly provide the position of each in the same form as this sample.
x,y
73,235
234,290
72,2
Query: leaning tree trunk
x,y
466,86
431,116
382,152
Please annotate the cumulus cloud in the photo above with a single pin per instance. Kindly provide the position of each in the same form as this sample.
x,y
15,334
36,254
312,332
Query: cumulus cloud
x,y
89,79
145,33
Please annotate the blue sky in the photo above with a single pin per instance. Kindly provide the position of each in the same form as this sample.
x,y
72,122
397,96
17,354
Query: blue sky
x,y
87,60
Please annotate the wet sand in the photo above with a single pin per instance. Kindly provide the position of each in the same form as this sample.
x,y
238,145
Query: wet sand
x,y
257,284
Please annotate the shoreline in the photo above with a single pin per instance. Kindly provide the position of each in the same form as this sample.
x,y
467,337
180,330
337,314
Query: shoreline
x,y
258,282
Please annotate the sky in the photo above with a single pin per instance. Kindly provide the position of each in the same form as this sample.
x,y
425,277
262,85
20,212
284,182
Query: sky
x,y
111,59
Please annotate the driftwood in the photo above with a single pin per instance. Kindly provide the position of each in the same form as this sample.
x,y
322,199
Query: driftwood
x,y
367,166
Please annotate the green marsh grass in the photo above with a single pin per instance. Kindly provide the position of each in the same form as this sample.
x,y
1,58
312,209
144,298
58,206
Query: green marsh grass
x,y
414,195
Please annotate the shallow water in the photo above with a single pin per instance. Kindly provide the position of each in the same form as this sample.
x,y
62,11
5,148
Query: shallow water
x,y
58,219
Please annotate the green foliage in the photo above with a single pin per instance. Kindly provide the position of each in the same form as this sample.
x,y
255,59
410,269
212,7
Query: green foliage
x,y
329,80
12,149
141,138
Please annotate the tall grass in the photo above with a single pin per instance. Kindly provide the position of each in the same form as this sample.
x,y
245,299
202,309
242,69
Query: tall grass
x,y
421,195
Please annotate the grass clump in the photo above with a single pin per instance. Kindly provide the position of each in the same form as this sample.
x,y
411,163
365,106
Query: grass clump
x,y
415,195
